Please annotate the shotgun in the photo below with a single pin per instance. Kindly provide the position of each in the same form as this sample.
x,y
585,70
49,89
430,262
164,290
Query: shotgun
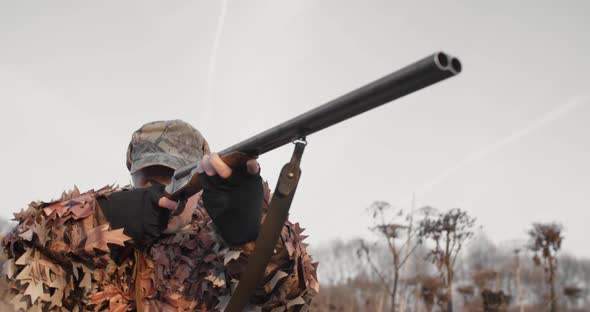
x,y
185,182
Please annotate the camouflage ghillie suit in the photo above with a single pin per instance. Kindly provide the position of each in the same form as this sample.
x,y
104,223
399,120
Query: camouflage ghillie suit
x,y
59,259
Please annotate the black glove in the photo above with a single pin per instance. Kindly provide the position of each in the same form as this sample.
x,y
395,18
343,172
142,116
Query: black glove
x,y
137,212
234,204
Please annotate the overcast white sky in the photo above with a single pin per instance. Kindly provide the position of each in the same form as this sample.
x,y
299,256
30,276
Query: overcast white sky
x,y
508,140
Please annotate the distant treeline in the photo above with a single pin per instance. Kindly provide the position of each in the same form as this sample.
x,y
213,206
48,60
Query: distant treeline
x,y
415,265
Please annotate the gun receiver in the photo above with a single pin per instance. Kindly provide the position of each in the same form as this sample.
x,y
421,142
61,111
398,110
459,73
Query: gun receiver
x,y
413,77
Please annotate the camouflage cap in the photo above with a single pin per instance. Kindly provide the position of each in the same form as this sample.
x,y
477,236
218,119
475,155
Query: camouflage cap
x,y
169,143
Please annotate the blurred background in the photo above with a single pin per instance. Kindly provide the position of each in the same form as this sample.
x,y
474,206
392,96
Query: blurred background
x,y
507,141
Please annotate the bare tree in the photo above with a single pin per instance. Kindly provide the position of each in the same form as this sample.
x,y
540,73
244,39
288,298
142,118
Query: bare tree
x,y
546,240
390,231
448,231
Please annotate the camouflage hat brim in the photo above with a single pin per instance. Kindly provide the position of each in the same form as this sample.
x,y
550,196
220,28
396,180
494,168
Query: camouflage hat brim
x,y
157,159
169,143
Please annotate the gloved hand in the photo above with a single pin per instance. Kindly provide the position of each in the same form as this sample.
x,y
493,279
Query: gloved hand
x,y
233,198
137,211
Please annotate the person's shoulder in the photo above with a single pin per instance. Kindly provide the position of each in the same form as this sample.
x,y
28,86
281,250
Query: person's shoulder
x,y
54,244
72,204
63,225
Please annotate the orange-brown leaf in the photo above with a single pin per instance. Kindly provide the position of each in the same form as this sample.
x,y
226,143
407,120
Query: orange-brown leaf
x,y
42,231
35,290
100,236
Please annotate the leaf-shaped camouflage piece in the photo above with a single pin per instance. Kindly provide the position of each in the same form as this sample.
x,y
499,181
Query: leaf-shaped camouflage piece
x,y
41,230
35,290
100,236
27,235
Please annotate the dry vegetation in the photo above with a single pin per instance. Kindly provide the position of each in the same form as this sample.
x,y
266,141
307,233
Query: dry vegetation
x,y
441,261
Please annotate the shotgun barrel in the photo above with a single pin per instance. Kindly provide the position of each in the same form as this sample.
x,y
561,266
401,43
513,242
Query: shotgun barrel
x,y
421,74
